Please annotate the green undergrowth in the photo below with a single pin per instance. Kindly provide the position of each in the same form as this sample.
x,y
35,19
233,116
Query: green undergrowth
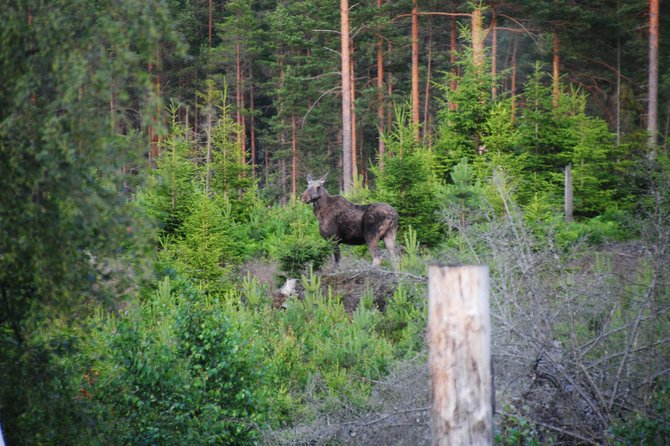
x,y
183,365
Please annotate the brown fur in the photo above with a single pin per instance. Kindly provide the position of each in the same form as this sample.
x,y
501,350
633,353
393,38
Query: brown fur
x,y
352,224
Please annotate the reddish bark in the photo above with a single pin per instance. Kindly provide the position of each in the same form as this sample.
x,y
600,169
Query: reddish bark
x,y
652,116
347,177
415,68
380,95
556,71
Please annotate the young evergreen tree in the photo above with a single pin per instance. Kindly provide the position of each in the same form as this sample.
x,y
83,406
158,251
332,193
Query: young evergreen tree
x,y
408,181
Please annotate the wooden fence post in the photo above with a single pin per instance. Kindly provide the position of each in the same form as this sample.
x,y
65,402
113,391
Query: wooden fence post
x,y
568,193
460,355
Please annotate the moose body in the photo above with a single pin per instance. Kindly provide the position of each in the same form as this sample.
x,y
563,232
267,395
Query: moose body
x,y
352,224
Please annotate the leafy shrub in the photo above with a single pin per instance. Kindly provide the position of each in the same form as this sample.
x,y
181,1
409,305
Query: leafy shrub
x,y
517,430
643,429
299,252
176,369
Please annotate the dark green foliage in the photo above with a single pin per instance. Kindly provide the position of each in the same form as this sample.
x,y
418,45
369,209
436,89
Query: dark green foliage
x,y
213,242
408,183
639,428
42,403
518,431
172,186
290,235
462,115
463,195
536,147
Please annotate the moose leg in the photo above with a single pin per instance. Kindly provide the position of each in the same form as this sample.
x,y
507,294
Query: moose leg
x,y
373,246
389,241
336,253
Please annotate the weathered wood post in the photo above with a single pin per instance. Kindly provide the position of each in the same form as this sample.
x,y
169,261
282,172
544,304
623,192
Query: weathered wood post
x,y
568,193
460,355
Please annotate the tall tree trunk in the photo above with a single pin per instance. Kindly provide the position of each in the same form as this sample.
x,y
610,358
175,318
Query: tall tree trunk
x,y
112,96
477,39
556,74
452,61
354,164
513,82
282,170
494,62
380,94
153,135
252,124
243,127
209,27
294,156
415,68
159,90
208,159
195,108
347,177
618,91
426,99
238,94
389,94
652,116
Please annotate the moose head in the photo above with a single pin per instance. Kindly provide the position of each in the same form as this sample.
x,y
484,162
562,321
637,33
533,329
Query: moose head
x,y
315,189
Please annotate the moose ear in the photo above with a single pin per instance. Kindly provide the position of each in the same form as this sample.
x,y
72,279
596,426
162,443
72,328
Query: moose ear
x,y
323,178
309,178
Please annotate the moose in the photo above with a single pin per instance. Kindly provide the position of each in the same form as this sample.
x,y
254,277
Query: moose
x,y
352,224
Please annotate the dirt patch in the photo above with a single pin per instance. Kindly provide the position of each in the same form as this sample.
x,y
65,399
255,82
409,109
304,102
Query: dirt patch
x,y
351,281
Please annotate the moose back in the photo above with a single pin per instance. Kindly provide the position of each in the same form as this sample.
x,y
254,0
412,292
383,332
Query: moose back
x,y
352,224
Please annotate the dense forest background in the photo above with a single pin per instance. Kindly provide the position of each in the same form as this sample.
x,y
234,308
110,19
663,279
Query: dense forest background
x,y
152,155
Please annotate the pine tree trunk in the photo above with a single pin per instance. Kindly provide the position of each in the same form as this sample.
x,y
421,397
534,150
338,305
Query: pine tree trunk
x,y
415,69
153,136
513,82
652,116
354,142
294,156
494,63
452,61
209,28
238,93
618,91
389,91
252,124
195,109
243,125
112,97
477,39
426,99
556,65
347,178
380,95
208,159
